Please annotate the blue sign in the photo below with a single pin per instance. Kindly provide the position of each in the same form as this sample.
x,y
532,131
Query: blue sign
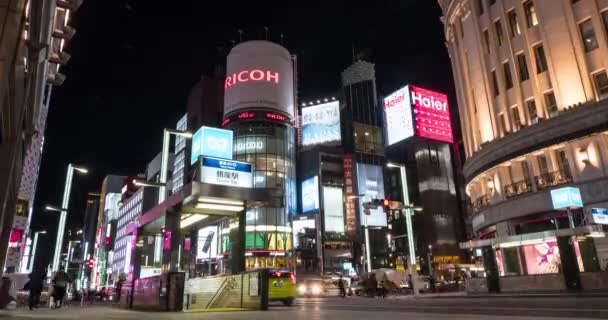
x,y
566,198
211,142
226,172
600,215
310,194
227,164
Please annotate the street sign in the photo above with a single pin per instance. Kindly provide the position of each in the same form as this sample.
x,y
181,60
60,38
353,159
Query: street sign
x,y
566,198
226,172
600,215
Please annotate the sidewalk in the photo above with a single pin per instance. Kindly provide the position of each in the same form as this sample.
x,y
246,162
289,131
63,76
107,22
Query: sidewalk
x,y
464,294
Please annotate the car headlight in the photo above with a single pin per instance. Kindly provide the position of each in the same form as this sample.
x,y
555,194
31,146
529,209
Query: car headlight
x,y
316,289
302,289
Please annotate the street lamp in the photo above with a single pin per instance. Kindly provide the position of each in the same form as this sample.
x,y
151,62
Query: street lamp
x,y
144,183
164,163
34,245
63,210
408,222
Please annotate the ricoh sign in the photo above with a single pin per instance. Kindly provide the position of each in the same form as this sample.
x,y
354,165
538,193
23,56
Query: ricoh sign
x,y
259,77
415,111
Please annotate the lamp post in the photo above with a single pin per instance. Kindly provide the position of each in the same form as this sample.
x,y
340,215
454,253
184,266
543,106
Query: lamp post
x,y
164,162
34,245
63,210
408,222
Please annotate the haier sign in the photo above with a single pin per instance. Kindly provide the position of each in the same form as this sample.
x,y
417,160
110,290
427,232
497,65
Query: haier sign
x,y
211,142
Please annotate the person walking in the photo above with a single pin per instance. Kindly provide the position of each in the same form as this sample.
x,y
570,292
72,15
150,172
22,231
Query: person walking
x,y
373,285
60,283
34,286
341,287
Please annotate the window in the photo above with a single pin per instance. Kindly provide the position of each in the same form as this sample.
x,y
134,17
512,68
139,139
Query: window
x,y
513,24
522,67
525,170
368,139
508,77
541,60
588,34
486,41
562,161
516,118
551,104
531,106
605,18
503,123
499,33
543,165
531,18
480,6
601,84
495,89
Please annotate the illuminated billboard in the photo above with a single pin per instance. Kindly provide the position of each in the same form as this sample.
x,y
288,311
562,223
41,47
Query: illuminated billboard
x,y
432,114
207,243
259,75
211,142
398,115
310,194
321,124
333,209
370,184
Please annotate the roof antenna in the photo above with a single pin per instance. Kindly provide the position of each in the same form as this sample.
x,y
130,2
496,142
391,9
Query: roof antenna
x,y
266,33
353,48
240,35
282,39
233,42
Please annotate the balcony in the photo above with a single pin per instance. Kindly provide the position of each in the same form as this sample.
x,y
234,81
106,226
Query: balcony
x,y
549,179
481,202
517,188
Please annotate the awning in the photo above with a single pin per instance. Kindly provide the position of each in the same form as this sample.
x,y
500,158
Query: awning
x,y
534,238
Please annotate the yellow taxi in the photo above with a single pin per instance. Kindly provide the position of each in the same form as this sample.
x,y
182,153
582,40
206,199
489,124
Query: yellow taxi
x,y
282,286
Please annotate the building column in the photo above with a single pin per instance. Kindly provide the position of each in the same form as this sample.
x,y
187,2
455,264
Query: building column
x,y
237,245
569,262
491,268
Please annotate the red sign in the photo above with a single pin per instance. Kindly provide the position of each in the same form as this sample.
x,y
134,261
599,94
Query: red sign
x,y
251,75
432,115
276,116
255,115
99,235
351,211
246,115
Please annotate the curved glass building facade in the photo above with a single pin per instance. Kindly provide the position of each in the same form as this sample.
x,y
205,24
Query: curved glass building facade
x,y
270,147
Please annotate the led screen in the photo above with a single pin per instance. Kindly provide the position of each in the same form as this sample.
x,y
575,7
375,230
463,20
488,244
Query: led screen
x,y
321,124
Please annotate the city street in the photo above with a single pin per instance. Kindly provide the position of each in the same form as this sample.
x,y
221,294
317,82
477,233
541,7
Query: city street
x,y
499,308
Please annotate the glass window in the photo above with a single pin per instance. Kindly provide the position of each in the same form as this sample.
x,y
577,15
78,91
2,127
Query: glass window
x,y
601,84
562,161
543,165
499,33
368,138
259,180
541,60
522,67
508,77
605,18
516,118
525,170
503,123
513,23
551,104
495,88
531,106
588,34
486,41
531,18
480,6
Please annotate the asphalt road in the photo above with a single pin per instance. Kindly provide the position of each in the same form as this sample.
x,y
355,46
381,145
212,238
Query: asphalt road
x,y
452,308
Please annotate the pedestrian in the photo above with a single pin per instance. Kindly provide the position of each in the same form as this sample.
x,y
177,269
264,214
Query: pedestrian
x,y
373,285
60,283
341,286
34,286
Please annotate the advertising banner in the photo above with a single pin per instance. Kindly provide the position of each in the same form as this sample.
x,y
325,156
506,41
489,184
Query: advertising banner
x,y
398,115
333,209
349,192
259,75
432,115
207,243
310,194
211,142
370,183
226,172
321,124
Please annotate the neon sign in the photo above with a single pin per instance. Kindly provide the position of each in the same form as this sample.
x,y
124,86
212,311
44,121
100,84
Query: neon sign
x,y
432,115
251,75
276,116
246,115
254,115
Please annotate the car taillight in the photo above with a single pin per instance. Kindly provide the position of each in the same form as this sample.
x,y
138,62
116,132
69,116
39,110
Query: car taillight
x,y
292,277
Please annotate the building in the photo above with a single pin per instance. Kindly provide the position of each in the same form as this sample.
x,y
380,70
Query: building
x,y
531,83
33,43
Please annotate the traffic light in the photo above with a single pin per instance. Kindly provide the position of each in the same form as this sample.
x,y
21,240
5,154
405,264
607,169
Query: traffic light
x,y
91,263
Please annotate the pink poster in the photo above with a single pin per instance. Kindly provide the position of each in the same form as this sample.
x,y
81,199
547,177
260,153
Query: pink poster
x,y
542,258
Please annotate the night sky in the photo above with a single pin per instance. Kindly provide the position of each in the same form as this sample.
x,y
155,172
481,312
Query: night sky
x,y
135,61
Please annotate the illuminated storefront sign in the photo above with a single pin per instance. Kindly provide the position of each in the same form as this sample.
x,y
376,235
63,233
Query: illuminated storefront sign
x,y
207,246
349,192
226,172
250,145
398,115
333,208
370,183
310,194
256,115
211,142
321,124
432,115
566,198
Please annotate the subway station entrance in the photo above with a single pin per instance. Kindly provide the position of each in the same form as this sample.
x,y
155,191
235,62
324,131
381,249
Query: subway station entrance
x,y
189,252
